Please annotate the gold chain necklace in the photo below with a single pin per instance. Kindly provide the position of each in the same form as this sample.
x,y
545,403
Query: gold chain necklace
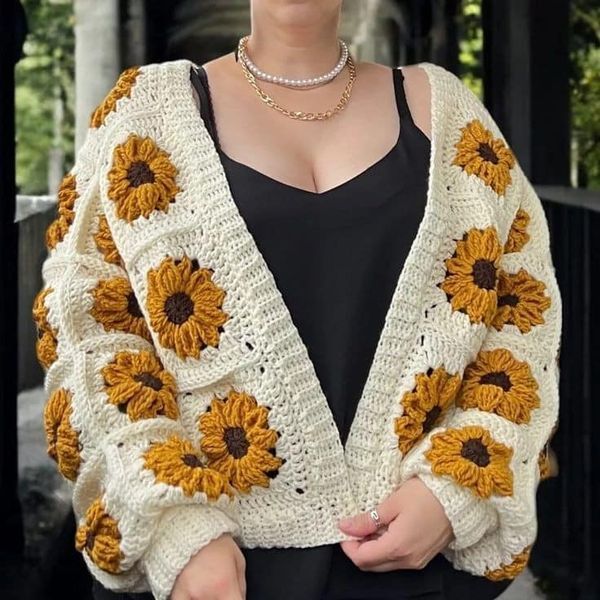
x,y
298,114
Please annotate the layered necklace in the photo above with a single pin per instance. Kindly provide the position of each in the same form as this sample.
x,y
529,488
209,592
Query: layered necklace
x,y
252,73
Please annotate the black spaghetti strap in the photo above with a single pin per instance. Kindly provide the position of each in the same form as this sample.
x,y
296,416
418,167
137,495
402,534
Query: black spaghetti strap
x,y
403,109
200,83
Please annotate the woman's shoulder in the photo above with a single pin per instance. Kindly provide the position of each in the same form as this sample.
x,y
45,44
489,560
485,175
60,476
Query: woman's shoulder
x,y
417,89
421,77
421,69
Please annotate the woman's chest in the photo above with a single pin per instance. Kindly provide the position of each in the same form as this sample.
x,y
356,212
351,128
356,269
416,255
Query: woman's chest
x,y
315,155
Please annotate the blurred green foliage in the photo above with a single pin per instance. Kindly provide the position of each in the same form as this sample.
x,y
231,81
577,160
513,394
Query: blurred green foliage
x,y
585,90
44,73
470,46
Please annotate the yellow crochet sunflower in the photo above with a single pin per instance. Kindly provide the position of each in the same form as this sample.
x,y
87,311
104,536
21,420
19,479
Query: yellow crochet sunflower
x,y
62,439
521,301
480,153
106,244
137,384
238,442
471,274
66,196
497,382
117,309
425,406
511,570
46,343
518,235
472,457
176,462
184,305
121,89
142,178
100,538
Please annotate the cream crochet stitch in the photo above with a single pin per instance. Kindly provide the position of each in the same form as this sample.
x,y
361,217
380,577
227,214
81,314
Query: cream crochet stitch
x,y
182,402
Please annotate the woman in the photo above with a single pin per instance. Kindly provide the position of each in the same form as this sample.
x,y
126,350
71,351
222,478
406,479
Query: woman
x,y
384,430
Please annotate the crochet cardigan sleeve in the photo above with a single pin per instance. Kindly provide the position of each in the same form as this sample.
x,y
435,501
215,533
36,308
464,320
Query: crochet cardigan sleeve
x,y
484,459
143,500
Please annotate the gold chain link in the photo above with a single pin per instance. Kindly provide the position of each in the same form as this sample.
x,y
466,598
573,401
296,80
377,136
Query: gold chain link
x,y
298,114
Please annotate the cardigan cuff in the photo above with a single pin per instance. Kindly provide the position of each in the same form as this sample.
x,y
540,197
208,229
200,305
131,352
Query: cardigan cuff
x,y
182,532
471,518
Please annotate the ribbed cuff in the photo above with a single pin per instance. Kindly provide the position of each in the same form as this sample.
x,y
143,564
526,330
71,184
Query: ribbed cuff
x,y
471,518
182,532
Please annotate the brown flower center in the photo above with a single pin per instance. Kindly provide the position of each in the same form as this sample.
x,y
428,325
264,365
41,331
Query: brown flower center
x,y
508,300
237,444
149,380
133,308
484,274
191,460
431,418
89,540
487,153
139,173
179,307
497,378
475,451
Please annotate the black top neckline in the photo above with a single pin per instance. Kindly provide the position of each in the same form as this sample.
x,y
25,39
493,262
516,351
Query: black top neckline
x,y
407,129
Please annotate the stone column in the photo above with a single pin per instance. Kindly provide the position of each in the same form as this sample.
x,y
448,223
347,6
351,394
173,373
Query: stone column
x,y
97,57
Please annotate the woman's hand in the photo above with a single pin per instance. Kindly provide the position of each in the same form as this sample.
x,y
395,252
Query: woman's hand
x,y
216,572
414,528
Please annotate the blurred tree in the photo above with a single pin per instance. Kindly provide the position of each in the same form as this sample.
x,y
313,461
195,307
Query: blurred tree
x,y
471,45
585,92
44,93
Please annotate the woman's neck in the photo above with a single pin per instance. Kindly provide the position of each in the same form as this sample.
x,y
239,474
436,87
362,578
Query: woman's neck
x,y
295,42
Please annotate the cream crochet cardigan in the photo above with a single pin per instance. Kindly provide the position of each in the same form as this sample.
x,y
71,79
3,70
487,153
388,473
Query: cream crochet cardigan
x,y
182,402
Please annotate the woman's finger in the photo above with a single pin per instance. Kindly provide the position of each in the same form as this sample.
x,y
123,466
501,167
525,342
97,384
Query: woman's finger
x,y
241,574
373,551
363,524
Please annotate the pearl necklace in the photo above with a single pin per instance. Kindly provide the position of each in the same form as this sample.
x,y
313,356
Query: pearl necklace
x,y
297,114
286,81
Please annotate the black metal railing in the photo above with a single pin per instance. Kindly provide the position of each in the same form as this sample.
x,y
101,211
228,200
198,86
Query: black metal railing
x,y
566,555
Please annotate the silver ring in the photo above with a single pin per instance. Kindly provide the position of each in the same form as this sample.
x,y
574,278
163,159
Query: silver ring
x,y
375,516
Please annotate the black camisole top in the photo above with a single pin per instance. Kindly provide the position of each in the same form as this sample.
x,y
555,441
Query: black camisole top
x,y
336,257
